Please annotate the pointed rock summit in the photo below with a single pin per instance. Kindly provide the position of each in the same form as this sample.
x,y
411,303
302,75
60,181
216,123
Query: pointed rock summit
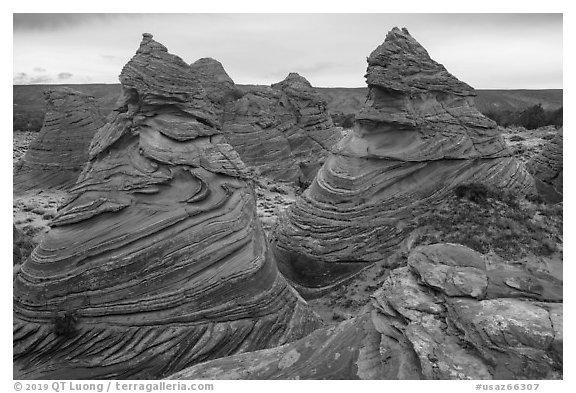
x,y
403,65
218,85
55,158
284,131
157,261
417,138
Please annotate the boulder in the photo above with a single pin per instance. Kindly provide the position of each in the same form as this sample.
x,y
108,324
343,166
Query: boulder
x,y
156,261
56,157
417,138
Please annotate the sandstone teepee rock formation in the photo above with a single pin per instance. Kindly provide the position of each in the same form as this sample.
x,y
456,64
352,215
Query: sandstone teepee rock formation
x,y
451,313
418,136
219,87
157,260
284,131
56,157
548,169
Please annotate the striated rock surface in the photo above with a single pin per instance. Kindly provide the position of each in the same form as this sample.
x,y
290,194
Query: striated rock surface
x,y
547,169
417,138
55,158
157,260
452,313
219,87
284,131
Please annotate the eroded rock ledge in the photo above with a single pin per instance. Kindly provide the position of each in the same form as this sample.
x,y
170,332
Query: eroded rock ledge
x,y
157,260
451,313
417,138
56,157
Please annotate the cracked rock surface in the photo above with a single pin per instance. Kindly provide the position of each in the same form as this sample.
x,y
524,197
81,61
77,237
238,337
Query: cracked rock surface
x,y
424,323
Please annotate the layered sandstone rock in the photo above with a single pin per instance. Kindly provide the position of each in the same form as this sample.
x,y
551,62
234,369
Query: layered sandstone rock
x,y
547,169
451,313
157,260
416,139
219,87
56,157
284,131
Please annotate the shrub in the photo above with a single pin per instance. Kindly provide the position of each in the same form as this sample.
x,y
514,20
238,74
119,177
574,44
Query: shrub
x,y
65,324
338,317
474,192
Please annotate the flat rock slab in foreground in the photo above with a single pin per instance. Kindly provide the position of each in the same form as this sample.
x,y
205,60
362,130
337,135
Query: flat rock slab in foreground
x,y
452,313
157,261
416,139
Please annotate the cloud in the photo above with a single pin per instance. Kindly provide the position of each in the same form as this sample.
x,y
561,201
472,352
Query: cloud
x,y
39,69
40,79
21,78
64,75
54,21
111,57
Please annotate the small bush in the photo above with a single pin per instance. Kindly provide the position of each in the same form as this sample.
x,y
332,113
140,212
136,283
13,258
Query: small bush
x,y
65,324
474,192
338,317
517,138
48,215
278,190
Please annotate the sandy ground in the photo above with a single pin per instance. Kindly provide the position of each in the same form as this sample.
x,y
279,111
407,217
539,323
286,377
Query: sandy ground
x,y
527,143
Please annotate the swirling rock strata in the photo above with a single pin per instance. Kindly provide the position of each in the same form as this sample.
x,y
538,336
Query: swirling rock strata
x,y
418,136
547,169
284,131
56,157
157,260
451,313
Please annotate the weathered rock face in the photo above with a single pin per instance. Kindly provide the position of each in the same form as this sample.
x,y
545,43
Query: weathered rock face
x,y
284,131
157,261
418,136
452,313
22,246
219,87
547,169
56,157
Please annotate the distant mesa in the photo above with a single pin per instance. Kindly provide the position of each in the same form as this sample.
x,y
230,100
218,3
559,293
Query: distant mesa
x,y
451,313
57,155
417,137
157,260
548,169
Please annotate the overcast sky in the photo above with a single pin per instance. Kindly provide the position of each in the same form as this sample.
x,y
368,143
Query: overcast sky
x,y
498,51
